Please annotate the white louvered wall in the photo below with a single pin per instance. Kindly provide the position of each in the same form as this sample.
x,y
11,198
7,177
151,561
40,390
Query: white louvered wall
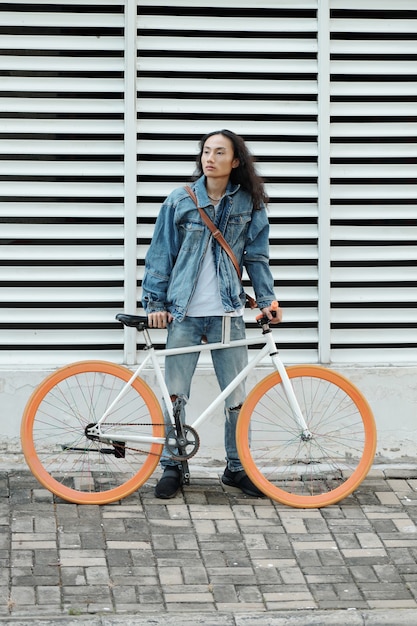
x,y
207,66
374,180
62,110
201,65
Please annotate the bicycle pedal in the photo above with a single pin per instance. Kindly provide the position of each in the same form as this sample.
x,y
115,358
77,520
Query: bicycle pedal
x,y
119,449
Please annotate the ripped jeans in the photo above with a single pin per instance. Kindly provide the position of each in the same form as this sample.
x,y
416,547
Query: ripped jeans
x,y
179,370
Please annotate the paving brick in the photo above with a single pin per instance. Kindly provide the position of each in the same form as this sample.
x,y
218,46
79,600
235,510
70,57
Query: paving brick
x,y
388,498
49,595
224,594
195,574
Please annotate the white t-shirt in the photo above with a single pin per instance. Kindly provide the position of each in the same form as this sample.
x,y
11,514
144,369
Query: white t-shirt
x,y
206,300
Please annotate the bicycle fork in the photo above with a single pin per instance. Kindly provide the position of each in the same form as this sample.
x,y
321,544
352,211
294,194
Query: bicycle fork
x,y
306,434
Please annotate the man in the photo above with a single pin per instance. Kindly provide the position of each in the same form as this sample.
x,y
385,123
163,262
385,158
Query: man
x,y
190,283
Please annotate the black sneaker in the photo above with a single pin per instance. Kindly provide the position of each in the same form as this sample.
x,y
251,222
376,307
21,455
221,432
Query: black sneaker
x,y
242,481
170,483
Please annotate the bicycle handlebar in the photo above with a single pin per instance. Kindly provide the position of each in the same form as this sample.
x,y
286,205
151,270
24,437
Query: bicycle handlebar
x,y
141,321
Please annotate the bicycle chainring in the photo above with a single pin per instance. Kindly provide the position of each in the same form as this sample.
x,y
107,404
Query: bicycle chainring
x,y
184,446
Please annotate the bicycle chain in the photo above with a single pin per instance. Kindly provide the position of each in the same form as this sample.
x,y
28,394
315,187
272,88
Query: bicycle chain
x,y
135,424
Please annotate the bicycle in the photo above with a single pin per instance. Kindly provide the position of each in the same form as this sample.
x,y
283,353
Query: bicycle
x,y
93,432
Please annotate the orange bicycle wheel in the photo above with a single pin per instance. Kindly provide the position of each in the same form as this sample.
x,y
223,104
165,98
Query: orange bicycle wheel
x,y
73,466
307,471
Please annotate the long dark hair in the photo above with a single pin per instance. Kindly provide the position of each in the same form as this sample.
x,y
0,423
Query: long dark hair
x,y
245,174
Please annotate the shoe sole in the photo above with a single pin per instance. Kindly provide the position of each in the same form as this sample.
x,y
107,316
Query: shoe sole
x,y
226,481
165,497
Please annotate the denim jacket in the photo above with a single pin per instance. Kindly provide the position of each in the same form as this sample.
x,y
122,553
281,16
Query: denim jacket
x,y
181,240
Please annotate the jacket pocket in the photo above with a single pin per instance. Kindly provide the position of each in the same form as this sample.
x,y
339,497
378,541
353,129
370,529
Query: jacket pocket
x,y
191,236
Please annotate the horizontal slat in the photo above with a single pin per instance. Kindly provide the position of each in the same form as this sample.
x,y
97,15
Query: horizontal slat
x,y
84,273
62,168
33,125
267,128
61,84
60,42
298,190
216,107
47,3
373,25
61,190
67,209
225,44
297,294
376,129
374,274
294,210
381,46
280,231
286,252
380,5
46,19
72,105
62,294
374,336
185,168
304,314
372,109
374,294
261,4
58,315
267,24
373,88
375,233
243,65
301,273
63,146
166,106
375,150
381,315
374,253
371,170
50,337
376,68
374,211
58,231
180,147
375,191
40,63
220,85
61,253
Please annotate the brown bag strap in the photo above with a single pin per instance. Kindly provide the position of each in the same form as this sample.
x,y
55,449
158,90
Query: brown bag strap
x,y
215,232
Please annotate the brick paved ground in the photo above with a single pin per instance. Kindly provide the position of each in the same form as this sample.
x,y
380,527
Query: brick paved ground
x,y
209,551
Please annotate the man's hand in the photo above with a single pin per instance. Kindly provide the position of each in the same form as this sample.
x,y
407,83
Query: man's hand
x,y
160,319
273,313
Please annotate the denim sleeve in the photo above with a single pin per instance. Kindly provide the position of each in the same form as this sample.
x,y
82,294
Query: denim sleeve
x,y
256,258
160,260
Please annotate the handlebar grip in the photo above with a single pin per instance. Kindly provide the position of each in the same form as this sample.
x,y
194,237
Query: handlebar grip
x,y
274,307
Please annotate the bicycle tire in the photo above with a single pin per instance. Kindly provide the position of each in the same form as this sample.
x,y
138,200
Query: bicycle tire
x,y
57,450
307,473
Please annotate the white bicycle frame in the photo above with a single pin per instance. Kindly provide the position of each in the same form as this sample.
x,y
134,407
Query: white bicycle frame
x,y
152,357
